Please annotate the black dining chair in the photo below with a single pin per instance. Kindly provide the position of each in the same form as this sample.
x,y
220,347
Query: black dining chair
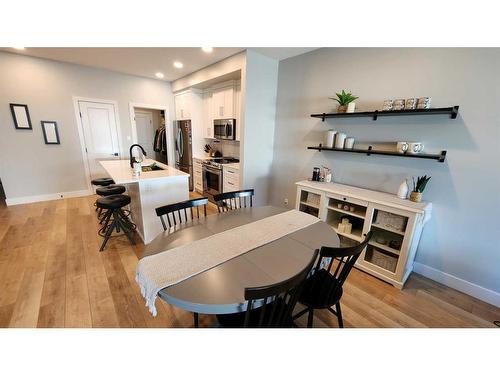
x,y
323,289
234,200
270,306
189,209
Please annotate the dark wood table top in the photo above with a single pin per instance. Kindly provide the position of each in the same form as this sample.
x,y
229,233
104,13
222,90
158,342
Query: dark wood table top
x,y
220,289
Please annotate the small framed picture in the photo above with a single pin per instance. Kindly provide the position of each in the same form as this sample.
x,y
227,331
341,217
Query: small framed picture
x,y
21,116
50,133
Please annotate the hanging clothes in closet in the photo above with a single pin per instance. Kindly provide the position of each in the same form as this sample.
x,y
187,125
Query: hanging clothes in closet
x,y
160,142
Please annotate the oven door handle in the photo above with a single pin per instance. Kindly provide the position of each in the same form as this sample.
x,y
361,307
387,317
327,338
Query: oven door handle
x,y
211,169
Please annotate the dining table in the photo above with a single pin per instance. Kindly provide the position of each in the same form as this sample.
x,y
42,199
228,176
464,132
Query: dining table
x,y
221,289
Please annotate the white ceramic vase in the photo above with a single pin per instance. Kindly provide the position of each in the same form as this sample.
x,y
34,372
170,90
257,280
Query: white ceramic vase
x,y
403,190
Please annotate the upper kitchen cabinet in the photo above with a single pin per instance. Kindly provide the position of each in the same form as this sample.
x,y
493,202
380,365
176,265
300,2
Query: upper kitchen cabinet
x,y
237,107
183,105
189,106
208,121
223,102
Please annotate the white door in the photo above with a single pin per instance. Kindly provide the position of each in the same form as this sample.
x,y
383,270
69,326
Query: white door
x,y
100,134
145,132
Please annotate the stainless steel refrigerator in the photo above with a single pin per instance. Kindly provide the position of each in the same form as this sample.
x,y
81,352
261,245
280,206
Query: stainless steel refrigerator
x,y
183,149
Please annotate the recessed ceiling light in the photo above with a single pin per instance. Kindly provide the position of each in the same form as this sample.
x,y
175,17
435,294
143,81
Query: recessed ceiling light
x,y
178,64
18,48
159,75
207,49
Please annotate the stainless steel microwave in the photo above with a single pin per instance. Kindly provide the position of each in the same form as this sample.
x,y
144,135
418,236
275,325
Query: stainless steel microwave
x,y
225,128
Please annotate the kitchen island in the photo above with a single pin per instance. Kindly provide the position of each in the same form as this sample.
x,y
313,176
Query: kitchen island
x,y
149,190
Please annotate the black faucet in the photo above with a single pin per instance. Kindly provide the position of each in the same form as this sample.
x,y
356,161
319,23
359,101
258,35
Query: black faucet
x,y
133,159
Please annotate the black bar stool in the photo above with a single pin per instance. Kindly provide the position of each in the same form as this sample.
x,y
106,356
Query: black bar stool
x,y
115,218
105,191
105,181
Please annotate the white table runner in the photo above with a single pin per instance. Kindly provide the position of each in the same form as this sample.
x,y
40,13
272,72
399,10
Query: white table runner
x,y
158,271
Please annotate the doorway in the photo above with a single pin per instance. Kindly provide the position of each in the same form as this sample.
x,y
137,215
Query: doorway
x,y
151,135
157,139
2,195
99,134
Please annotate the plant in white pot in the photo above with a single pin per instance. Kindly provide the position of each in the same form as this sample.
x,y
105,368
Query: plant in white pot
x,y
344,99
418,188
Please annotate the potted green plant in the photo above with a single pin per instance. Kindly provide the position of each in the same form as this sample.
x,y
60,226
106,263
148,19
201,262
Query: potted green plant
x,y
418,188
343,98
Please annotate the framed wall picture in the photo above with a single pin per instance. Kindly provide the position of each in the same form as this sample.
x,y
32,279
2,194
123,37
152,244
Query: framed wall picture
x,y
21,116
50,133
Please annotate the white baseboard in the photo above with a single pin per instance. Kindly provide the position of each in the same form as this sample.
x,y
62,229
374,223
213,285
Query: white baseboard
x,y
46,197
464,286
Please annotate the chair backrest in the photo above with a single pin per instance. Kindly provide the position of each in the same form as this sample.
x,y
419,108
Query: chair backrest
x,y
278,300
344,259
170,210
234,200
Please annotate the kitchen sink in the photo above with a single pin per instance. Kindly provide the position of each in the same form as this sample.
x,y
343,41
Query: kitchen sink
x,y
150,168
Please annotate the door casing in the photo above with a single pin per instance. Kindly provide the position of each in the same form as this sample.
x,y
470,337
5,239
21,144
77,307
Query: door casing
x,y
76,100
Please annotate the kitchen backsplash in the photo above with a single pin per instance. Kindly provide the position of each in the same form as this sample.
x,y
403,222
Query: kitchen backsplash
x,y
227,148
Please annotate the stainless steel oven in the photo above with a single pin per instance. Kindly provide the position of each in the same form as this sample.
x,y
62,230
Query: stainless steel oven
x,y
225,129
212,180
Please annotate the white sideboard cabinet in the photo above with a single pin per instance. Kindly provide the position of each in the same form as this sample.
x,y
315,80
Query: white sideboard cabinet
x,y
396,224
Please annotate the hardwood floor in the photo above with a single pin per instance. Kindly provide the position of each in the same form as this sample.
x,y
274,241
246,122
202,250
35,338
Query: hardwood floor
x,y
52,275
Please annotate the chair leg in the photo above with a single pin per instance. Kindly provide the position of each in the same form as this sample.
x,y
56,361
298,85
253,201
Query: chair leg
x,y
105,218
195,318
339,315
107,235
310,318
298,315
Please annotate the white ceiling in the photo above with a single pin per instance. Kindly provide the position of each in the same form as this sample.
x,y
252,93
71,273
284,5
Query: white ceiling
x,y
282,53
145,62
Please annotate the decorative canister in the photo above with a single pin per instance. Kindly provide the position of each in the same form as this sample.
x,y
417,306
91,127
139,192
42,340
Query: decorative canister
x,y
339,140
349,143
329,138
415,196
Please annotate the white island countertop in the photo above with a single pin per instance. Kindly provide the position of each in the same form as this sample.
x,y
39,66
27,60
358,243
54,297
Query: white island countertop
x,y
121,173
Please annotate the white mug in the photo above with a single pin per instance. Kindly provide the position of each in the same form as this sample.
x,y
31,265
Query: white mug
x,y
398,104
415,147
402,147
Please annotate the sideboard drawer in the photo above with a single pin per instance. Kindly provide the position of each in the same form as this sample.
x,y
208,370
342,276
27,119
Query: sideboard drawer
x,y
343,198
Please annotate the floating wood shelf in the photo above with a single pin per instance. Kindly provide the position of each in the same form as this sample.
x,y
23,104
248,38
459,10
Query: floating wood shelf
x,y
451,111
439,157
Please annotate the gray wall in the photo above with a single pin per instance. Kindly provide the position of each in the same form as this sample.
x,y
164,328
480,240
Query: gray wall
x,y
259,113
462,237
28,166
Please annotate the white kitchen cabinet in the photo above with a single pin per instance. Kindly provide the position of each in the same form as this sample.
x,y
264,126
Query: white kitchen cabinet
x,y
223,102
237,108
208,122
198,175
189,106
396,224
230,178
183,105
